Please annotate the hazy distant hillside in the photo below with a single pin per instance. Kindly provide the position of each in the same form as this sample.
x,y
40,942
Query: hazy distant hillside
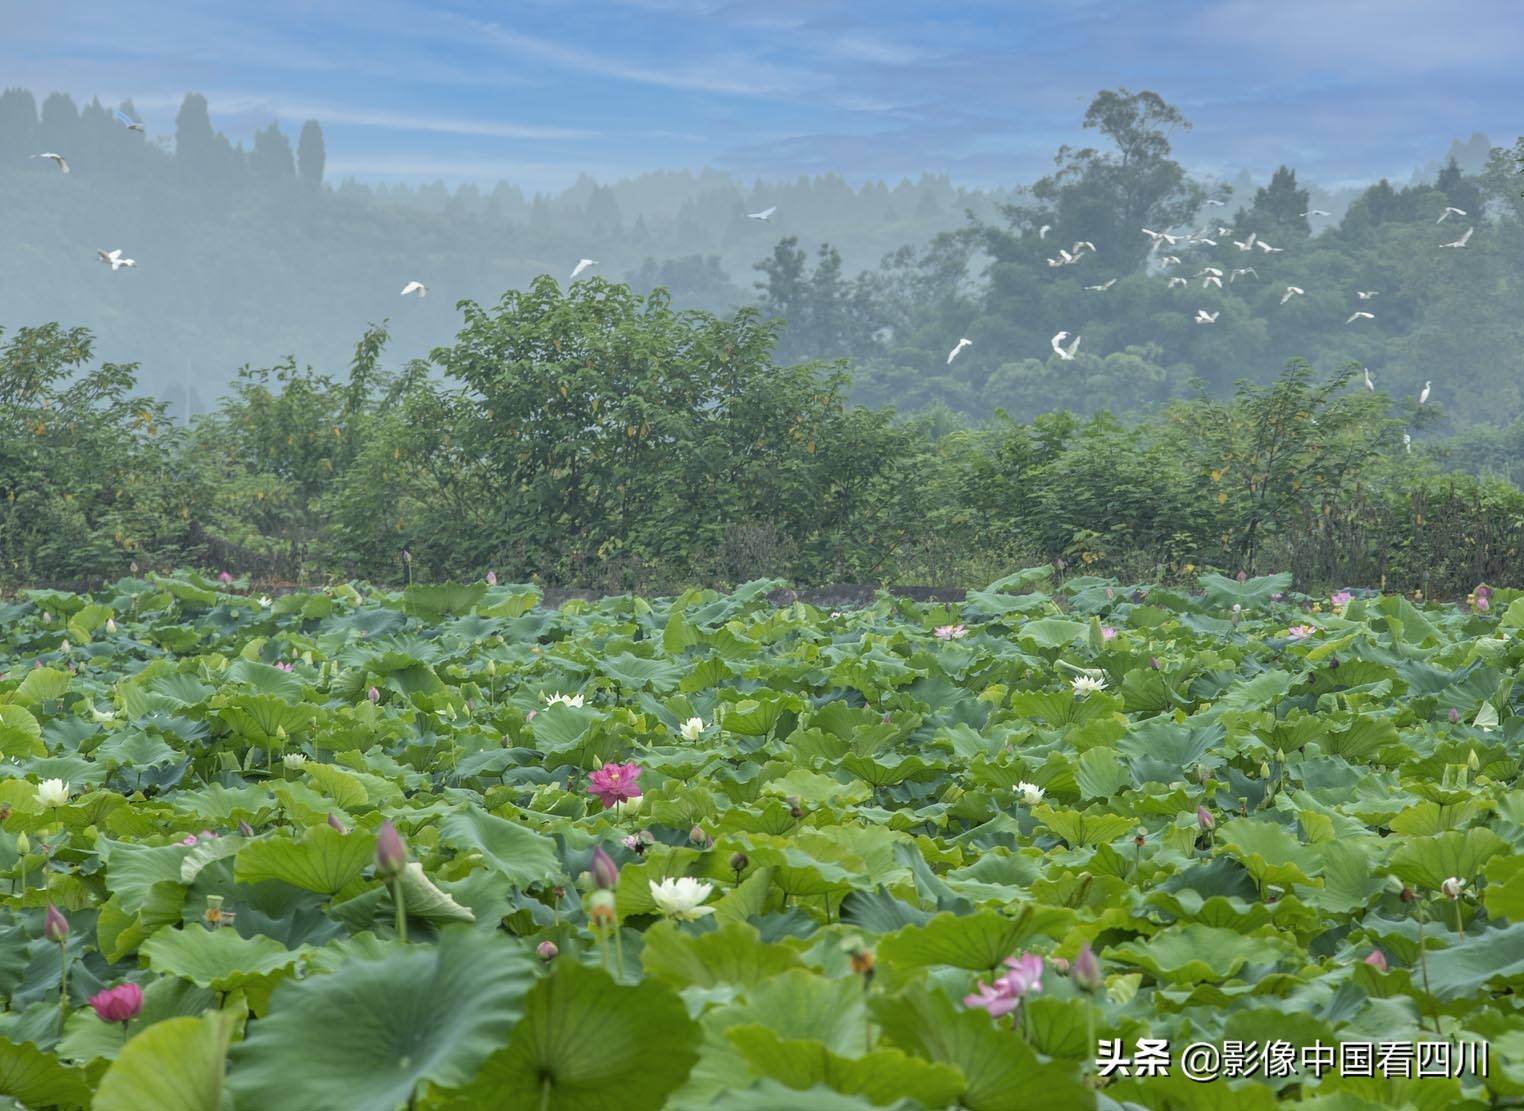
x,y
249,255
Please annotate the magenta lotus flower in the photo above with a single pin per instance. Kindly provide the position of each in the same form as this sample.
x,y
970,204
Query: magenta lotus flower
x,y
614,783
122,1003
1482,598
1300,632
1340,598
1376,960
949,632
224,577
1005,995
1108,633
284,666
188,839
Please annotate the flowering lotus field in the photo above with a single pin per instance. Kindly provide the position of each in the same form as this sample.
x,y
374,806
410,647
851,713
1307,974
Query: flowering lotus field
x,y
446,848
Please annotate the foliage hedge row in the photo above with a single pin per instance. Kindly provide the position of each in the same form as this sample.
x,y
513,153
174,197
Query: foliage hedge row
x,y
597,438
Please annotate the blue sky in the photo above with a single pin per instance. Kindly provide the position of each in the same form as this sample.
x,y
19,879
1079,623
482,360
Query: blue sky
x,y
537,92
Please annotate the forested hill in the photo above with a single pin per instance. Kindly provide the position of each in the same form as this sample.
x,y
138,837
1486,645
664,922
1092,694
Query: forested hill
x,y
244,256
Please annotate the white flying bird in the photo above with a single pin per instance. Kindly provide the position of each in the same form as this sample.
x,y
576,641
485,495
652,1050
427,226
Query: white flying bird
x,y
1175,282
1042,232
62,165
765,214
1203,239
1085,243
1161,237
1058,349
128,122
1263,246
582,264
1369,382
1102,288
1443,216
953,354
1292,291
1209,270
1354,316
1169,260
416,287
114,259
1212,203
1204,317
1211,279
1423,394
1316,212
1233,277
1246,244
1462,241
1367,294
1224,231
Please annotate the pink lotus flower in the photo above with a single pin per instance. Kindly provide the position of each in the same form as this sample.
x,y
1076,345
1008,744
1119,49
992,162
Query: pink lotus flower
x,y
491,578
949,632
284,666
1300,632
1204,818
1340,598
374,694
1005,995
1482,598
1108,633
1376,960
224,577
122,1003
614,783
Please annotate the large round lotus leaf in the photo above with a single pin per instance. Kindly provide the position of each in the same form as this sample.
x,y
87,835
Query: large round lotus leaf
x,y
174,1065
34,1078
365,1037
589,1044
217,959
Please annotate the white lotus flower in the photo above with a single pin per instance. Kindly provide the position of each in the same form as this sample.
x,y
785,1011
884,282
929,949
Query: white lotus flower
x,y
264,601
574,700
692,729
1031,793
293,760
52,792
110,625
1451,888
1087,684
681,898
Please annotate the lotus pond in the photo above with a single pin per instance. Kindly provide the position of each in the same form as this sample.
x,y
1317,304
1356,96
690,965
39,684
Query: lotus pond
x,y
448,848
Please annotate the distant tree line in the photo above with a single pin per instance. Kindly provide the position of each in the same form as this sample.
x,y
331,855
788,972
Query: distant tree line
x,y
598,438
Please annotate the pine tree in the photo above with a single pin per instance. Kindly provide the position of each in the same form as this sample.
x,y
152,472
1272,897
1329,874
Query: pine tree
x,y
272,156
310,153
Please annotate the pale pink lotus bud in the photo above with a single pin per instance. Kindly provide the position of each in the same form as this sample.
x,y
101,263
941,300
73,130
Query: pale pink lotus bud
x,y
336,824
547,951
605,871
1376,960
391,853
1087,970
55,927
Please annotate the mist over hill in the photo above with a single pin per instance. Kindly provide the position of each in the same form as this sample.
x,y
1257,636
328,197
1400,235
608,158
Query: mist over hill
x,y
247,256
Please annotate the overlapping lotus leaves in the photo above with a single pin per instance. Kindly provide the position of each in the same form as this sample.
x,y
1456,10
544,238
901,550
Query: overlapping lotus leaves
x,y
1234,812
